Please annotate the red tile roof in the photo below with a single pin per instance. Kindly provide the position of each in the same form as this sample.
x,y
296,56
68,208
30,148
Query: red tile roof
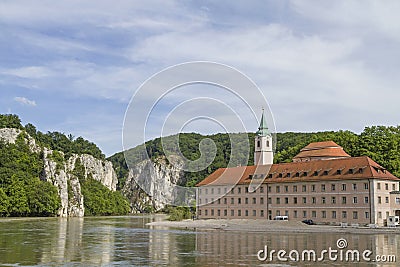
x,y
349,168
326,149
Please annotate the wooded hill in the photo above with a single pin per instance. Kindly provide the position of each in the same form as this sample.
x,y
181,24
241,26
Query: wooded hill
x,y
380,143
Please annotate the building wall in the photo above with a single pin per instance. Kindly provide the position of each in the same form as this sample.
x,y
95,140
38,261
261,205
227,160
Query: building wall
x,y
361,201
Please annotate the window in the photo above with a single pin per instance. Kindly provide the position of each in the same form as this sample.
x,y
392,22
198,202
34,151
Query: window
x,y
344,214
366,186
232,200
267,143
333,214
366,200
269,188
254,200
355,201
304,188
219,212
278,213
366,215
343,187
360,170
232,212
313,200
206,191
206,212
333,200
270,175
246,189
199,212
323,200
326,172
333,187
394,187
278,189
212,191
295,214
351,171
206,200
295,200
313,187
258,143
212,212
261,189
344,200
295,188
239,213
225,212
261,200
354,186
200,191
280,175
314,214
322,187
286,200
232,191
397,200
262,213
246,200
355,215
239,190
269,200
304,214
225,201
286,212
304,200
278,200
288,174
323,214
379,185
380,215
386,187
304,173
297,174
246,213
254,213
219,201
379,200
386,199
316,173
339,172
286,188
239,200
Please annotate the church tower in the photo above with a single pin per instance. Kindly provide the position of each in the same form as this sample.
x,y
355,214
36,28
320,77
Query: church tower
x,y
263,147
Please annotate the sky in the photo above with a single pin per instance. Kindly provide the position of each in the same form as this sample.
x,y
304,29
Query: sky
x,y
74,66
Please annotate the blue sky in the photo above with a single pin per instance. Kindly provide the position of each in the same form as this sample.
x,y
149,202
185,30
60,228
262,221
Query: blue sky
x,y
72,66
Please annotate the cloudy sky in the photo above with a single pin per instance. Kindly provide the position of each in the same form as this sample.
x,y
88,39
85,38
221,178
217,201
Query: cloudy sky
x,y
73,66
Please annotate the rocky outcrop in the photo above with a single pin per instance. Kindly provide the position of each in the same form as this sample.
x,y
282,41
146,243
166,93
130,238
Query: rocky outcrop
x,y
60,172
149,184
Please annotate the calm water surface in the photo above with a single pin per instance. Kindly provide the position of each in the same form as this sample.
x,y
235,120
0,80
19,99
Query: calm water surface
x,y
127,241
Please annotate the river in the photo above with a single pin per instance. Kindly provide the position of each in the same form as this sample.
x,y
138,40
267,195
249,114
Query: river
x,y
127,241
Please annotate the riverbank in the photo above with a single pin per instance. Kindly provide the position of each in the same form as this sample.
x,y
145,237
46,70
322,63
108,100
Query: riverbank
x,y
248,225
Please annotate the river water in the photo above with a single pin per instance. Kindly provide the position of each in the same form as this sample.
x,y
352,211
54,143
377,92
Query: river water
x,y
127,241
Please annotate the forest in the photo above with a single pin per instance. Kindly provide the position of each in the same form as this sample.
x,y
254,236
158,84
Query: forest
x,y
381,143
23,193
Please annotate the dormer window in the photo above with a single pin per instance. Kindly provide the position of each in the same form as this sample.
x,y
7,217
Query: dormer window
x,y
315,173
339,172
360,170
288,174
270,175
325,172
280,175
351,171
297,174
305,173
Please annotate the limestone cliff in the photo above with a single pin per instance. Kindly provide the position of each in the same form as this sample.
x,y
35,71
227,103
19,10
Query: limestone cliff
x,y
157,179
60,172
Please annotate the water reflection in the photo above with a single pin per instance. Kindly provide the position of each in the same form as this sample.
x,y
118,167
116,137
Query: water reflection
x,y
128,241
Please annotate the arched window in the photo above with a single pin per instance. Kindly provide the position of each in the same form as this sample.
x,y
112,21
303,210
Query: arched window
x,y
267,143
258,143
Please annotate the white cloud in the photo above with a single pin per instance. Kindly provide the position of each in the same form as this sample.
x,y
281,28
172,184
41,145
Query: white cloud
x,y
25,101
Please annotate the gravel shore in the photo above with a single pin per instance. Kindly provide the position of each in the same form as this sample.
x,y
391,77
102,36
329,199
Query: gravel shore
x,y
268,226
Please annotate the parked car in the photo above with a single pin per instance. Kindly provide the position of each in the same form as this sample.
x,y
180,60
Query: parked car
x,y
281,218
309,222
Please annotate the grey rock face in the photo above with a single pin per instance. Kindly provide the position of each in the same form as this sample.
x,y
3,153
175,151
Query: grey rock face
x,y
61,174
156,180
